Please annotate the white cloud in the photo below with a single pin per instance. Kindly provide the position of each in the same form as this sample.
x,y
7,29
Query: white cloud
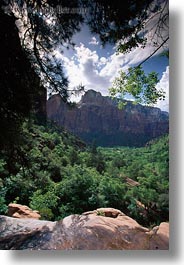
x,y
93,41
83,68
97,72
117,62
83,54
103,60
74,70
164,84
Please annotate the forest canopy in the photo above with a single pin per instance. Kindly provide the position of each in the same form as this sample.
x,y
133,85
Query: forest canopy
x,y
58,175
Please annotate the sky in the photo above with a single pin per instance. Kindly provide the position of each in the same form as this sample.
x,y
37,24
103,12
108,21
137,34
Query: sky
x,y
95,66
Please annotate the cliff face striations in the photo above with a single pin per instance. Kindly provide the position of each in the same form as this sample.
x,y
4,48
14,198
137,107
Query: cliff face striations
x,y
98,118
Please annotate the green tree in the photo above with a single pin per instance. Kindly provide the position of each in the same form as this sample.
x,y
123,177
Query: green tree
x,y
73,156
76,191
139,85
113,191
118,162
44,203
96,160
3,206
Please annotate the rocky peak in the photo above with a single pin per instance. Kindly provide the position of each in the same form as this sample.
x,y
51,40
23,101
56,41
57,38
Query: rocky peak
x,y
56,103
98,118
92,97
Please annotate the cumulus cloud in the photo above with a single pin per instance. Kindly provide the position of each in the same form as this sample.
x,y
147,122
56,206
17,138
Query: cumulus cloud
x,y
103,60
83,68
83,54
164,84
97,72
93,41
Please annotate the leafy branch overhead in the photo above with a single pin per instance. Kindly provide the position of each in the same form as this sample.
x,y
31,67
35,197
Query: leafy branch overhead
x,y
137,84
155,32
48,25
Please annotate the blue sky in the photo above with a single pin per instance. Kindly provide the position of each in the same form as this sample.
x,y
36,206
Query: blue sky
x,y
96,67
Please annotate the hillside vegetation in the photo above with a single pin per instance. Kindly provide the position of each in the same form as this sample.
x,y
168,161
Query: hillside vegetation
x,y
55,173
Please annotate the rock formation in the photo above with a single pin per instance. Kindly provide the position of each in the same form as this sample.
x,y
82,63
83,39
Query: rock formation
x,y
98,118
22,211
102,229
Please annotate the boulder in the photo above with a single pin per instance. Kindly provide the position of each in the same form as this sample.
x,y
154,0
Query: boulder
x,y
159,236
102,229
22,211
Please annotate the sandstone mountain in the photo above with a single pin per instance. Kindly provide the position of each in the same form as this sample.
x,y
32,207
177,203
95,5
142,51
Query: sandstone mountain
x,y
98,118
101,229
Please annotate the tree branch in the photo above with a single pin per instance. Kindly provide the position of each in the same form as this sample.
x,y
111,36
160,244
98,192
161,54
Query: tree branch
x,y
40,63
153,52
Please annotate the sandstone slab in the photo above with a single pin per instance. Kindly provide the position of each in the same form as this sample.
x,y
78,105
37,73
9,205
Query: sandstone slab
x,y
112,230
22,211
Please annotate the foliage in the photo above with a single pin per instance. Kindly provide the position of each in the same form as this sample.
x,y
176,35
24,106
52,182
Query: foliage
x,y
137,84
150,167
3,206
51,173
44,203
49,25
95,159
100,213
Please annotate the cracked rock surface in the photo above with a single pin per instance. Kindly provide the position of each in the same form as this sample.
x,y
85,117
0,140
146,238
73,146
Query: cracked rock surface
x,y
104,228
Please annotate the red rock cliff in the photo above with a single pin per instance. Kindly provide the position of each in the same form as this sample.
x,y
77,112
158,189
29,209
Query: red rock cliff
x,y
98,118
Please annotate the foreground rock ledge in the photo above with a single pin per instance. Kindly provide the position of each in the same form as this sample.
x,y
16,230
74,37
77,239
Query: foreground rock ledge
x,y
102,229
